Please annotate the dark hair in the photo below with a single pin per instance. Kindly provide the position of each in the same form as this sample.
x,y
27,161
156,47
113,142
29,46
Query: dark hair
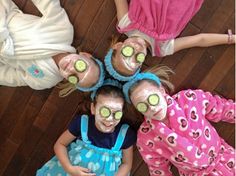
x,y
109,90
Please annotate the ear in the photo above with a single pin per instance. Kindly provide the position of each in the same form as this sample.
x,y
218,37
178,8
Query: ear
x,y
92,109
162,90
117,45
86,54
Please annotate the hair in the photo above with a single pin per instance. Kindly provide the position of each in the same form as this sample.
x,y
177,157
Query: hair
x,y
163,72
109,90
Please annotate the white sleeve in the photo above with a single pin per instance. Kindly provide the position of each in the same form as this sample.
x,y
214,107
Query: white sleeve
x,y
124,21
10,76
167,47
51,9
13,77
6,7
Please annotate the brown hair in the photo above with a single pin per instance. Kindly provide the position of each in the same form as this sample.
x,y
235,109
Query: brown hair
x,y
109,90
163,72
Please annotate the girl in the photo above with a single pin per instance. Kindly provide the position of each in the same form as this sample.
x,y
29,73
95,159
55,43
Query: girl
x,y
176,130
103,146
37,52
154,25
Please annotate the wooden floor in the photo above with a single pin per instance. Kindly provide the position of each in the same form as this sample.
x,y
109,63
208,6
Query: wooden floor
x,y
31,121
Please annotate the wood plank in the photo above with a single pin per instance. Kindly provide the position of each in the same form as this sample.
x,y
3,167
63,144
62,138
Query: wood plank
x,y
204,15
73,7
84,18
7,150
31,110
23,152
14,109
227,86
218,71
99,26
6,94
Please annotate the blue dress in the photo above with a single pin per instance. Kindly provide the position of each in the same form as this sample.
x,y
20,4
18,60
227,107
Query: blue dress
x,y
102,161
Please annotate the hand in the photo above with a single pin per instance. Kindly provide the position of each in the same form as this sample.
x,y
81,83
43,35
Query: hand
x,y
80,171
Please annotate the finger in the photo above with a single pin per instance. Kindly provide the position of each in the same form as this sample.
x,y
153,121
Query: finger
x,y
83,169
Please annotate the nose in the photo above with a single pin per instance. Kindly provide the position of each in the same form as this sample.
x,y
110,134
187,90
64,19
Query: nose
x,y
152,108
110,118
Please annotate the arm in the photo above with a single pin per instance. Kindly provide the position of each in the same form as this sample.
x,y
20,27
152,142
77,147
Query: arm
x,y
157,164
121,8
60,149
10,76
14,77
51,9
127,161
219,109
201,40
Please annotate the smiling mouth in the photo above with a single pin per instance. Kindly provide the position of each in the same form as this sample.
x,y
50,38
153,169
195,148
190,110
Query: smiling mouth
x,y
107,125
157,112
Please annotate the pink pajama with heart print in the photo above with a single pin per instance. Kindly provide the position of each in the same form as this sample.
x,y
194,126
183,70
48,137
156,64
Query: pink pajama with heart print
x,y
188,140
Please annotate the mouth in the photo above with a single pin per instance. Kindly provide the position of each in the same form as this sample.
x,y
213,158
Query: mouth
x,y
108,125
130,67
157,112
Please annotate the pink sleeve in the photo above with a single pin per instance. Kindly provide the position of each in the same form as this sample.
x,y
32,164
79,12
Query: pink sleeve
x,y
219,109
157,164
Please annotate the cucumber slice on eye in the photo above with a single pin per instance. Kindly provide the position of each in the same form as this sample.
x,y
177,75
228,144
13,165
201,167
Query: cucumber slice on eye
x,y
118,115
127,51
140,58
142,107
153,99
105,112
80,66
73,79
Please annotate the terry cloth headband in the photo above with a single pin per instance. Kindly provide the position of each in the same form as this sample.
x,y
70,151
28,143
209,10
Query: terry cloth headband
x,y
140,76
100,80
113,72
110,82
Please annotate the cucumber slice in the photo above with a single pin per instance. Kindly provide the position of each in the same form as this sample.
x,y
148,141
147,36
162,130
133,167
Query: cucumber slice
x,y
127,51
105,112
153,99
118,115
142,107
80,66
140,58
73,79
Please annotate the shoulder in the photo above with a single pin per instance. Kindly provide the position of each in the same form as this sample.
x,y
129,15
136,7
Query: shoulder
x,y
190,95
130,137
75,125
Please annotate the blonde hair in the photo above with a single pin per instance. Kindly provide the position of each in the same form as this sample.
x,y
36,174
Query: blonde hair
x,y
163,72
66,88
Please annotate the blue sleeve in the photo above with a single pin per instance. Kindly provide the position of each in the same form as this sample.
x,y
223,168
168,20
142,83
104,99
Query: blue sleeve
x,y
75,127
130,138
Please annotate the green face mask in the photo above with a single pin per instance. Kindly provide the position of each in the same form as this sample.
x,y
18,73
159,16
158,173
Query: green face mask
x,y
128,51
105,112
80,66
152,100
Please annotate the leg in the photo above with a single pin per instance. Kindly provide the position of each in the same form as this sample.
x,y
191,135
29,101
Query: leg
x,y
201,40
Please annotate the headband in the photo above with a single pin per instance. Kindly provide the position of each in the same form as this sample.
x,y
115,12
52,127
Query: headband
x,y
110,82
99,82
113,72
141,76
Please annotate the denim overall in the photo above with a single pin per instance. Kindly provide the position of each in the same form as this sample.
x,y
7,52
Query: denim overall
x,y
102,161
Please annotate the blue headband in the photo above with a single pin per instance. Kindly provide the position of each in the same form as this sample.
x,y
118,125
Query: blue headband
x,y
107,82
140,76
100,80
113,72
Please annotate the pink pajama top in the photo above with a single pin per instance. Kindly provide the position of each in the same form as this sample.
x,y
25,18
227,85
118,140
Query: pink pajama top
x,y
189,141
160,19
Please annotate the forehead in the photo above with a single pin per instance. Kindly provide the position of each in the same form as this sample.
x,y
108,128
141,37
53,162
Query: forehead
x,y
109,100
145,86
